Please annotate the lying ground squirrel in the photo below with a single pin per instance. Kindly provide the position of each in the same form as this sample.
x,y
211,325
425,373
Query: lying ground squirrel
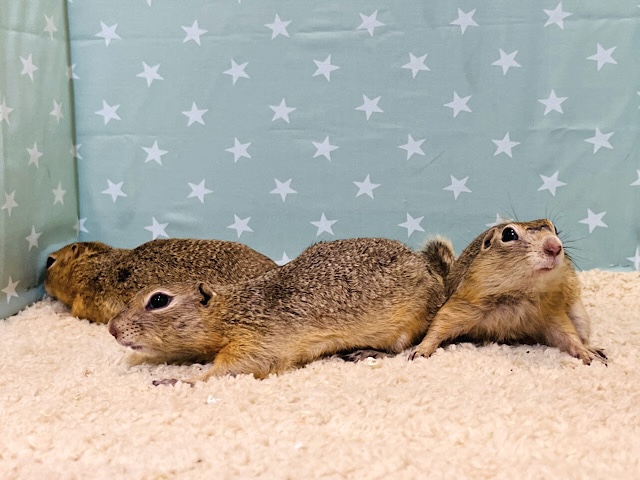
x,y
514,283
335,296
97,280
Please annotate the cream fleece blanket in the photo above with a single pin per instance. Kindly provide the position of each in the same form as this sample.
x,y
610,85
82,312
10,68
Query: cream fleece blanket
x,y
75,404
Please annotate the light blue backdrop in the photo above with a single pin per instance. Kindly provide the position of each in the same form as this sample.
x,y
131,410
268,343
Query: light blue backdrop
x,y
280,123
38,195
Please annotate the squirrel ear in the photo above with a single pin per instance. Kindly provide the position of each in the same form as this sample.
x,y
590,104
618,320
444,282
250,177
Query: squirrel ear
x,y
206,293
486,241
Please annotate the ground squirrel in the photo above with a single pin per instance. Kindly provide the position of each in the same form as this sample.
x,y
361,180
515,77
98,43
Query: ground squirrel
x,y
514,283
97,280
340,295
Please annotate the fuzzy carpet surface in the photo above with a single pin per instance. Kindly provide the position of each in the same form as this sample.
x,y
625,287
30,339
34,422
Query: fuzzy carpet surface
x,y
77,405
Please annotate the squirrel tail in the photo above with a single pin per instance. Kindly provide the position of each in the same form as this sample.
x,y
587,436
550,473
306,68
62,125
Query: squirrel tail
x,y
439,253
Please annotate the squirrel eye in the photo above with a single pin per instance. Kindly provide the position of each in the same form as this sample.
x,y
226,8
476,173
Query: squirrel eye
x,y
50,261
509,234
158,300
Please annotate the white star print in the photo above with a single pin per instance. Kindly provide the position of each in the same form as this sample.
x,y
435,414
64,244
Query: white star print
x,y
71,74
552,103
50,28
32,238
34,155
157,229
284,260
239,150
237,71
281,111
57,111
551,183
370,22
324,148
80,227
412,147
115,190
506,61
505,145
58,194
556,16
108,33
198,191
465,20
240,225
324,225
637,182
370,106
416,64
594,220
412,225
150,73
74,151
5,111
457,186
499,220
602,56
194,115
324,68
278,27
458,104
600,140
28,68
10,289
108,112
283,189
635,259
402,63
366,187
9,202
193,33
154,153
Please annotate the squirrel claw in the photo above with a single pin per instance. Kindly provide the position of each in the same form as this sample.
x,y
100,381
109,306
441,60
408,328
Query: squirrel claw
x,y
600,355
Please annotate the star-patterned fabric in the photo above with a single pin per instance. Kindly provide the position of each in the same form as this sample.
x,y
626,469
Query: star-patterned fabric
x,y
282,123
38,196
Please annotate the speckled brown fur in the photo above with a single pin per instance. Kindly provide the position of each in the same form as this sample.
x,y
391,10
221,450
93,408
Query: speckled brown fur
x,y
97,280
335,296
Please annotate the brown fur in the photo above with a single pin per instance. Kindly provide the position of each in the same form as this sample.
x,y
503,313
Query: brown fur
x,y
439,253
511,291
97,280
335,296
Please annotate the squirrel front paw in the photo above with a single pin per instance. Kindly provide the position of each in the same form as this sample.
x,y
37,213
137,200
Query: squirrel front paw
x,y
422,351
595,354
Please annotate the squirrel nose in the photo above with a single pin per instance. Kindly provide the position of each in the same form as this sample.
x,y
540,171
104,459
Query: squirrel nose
x,y
552,246
112,329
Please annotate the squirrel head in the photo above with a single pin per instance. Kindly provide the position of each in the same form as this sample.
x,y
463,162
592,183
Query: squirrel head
x,y
171,322
61,264
511,255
